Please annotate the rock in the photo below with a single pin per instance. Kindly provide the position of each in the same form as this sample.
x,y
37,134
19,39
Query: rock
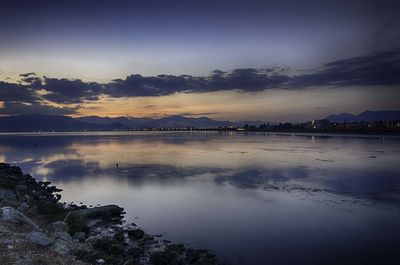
x,y
104,235
136,233
12,215
53,189
39,238
23,207
60,229
64,244
100,261
78,220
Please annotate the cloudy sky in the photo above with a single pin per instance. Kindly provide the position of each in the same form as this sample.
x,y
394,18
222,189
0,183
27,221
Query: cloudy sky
x,y
237,59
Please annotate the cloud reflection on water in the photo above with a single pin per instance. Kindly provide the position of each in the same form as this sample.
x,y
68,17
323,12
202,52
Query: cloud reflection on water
x,y
337,164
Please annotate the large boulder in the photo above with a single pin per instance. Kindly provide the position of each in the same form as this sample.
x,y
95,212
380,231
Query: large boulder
x,y
39,238
59,226
81,220
12,215
136,234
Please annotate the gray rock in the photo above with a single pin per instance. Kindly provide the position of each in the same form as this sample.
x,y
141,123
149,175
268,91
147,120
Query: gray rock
x,y
59,226
81,220
102,212
100,261
39,238
104,235
12,215
23,207
60,229
64,244
136,233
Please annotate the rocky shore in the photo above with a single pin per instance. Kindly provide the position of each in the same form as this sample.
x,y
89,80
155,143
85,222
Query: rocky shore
x,y
36,228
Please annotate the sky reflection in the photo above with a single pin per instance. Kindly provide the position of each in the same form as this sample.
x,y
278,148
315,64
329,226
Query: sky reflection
x,y
251,198
340,164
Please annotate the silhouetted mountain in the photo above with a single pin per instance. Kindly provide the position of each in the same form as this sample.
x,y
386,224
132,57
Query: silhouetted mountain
x,y
37,122
134,123
365,116
182,122
167,122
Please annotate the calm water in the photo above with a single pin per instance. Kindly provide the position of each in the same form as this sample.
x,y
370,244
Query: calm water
x,y
250,198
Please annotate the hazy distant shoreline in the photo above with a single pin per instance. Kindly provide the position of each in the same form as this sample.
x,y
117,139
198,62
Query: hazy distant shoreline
x,y
128,132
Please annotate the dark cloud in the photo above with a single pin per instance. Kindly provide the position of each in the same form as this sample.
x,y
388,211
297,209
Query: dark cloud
x,y
32,81
27,74
160,85
373,69
70,91
246,79
16,92
18,108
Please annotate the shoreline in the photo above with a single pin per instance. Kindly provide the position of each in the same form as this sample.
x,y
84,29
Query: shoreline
x,y
127,133
33,220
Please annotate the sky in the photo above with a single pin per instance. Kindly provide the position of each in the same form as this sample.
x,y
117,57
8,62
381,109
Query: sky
x,y
236,60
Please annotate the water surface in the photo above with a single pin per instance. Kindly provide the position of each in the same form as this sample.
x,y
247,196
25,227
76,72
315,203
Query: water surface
x,y
250,198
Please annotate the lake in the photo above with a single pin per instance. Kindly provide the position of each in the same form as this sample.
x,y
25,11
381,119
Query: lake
x,y
251,198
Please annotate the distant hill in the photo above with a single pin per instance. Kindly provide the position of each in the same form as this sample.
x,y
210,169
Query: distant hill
x,y
365,116
167,122
36,122
131,122
180,121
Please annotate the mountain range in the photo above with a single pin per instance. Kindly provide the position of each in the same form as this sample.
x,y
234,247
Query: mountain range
x,y
37,122
167,122
365,116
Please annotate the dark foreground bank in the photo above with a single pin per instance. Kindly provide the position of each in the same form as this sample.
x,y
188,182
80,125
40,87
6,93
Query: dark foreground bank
x,y
35,228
